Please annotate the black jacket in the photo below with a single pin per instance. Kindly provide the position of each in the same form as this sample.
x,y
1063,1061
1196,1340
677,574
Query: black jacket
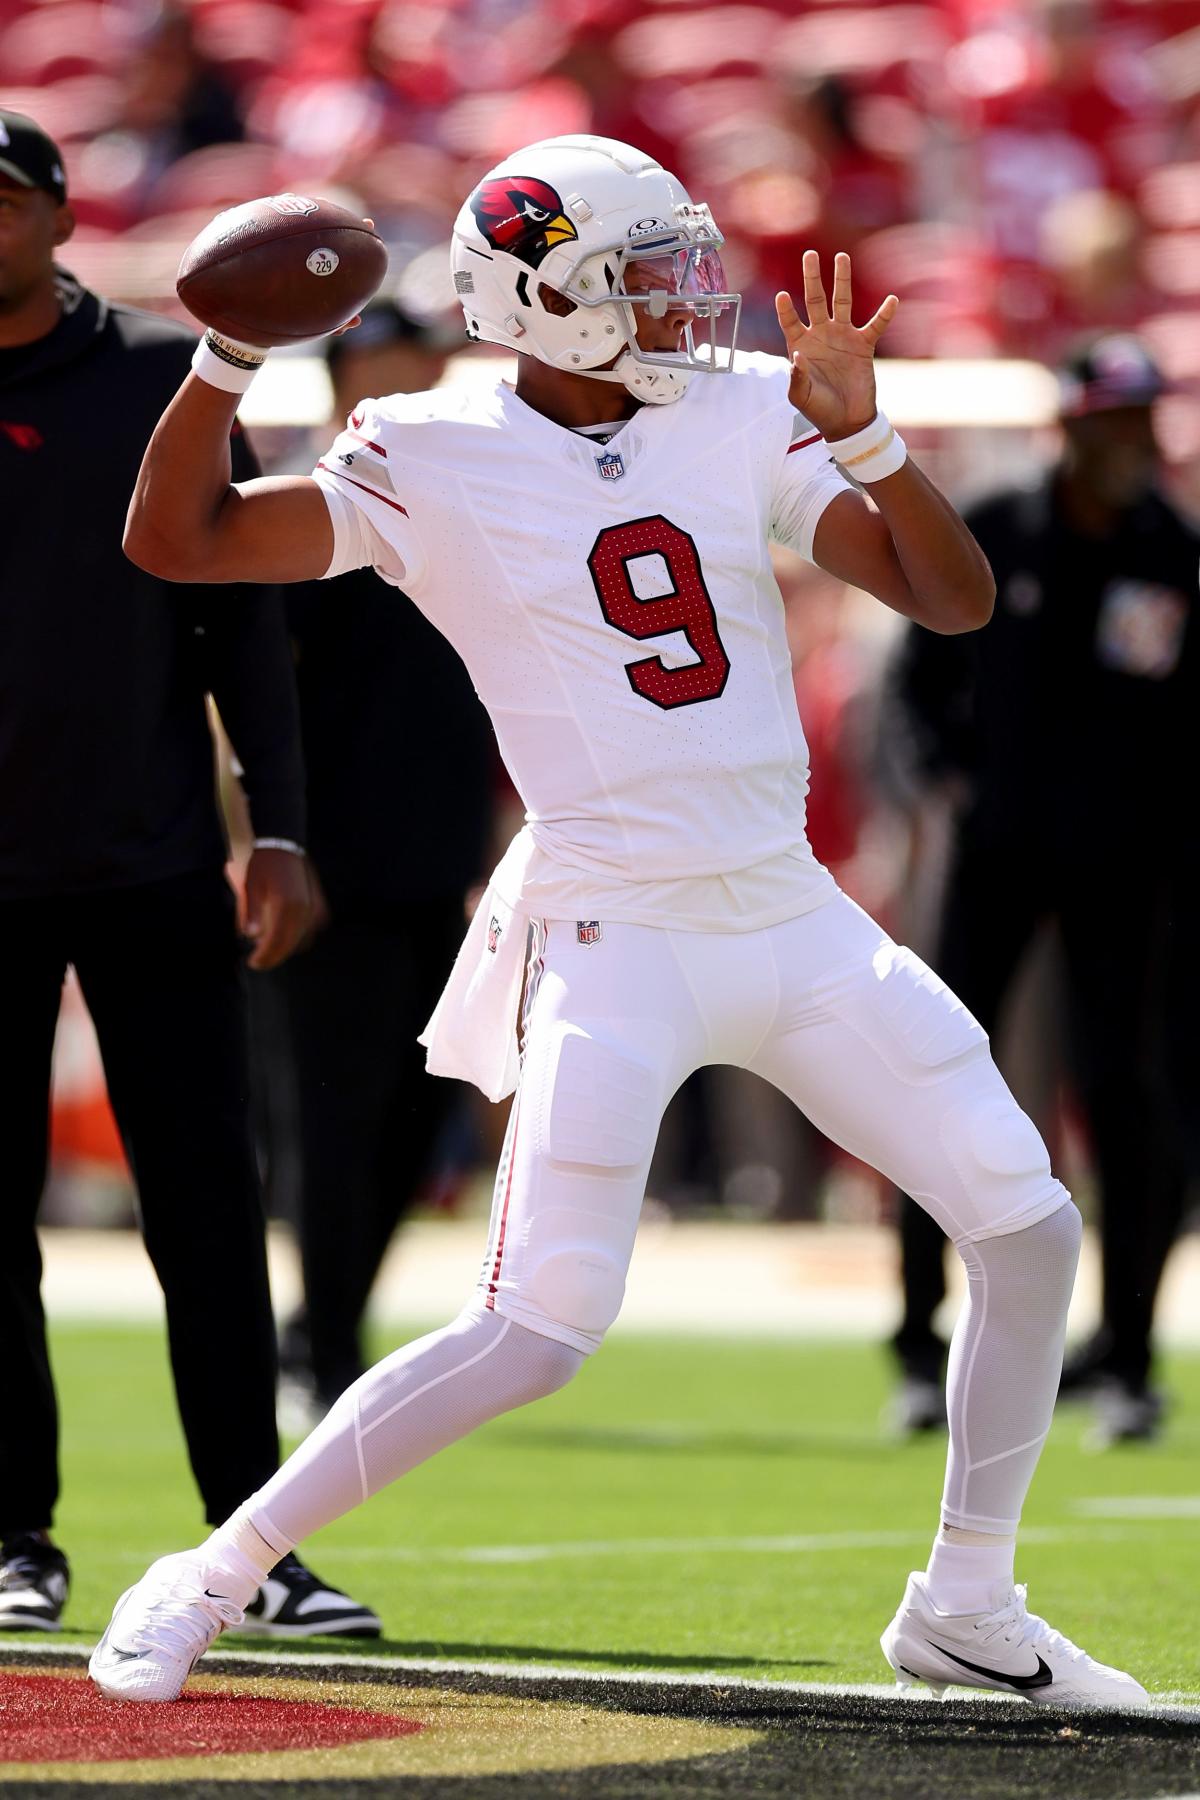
x,y
1074,714
106,761
400,754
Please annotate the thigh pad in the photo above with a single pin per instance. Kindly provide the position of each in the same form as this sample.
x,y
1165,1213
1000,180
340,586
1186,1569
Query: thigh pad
x,y
906,1014
604,1105
601,1102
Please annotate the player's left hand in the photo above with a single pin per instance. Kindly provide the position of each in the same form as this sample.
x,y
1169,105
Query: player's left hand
x,y
833,360
357,319
278,906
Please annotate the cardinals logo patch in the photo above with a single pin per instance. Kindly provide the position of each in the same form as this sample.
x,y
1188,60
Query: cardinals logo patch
x,y
522,216
25,437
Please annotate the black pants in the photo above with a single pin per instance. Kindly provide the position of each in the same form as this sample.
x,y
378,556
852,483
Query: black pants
x,y
1110,924
160,968
368,1113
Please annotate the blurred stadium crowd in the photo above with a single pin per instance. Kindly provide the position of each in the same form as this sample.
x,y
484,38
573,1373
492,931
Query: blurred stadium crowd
x,y
1017,169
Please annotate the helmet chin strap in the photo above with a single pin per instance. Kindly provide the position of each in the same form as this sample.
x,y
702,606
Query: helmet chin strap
x,y
646,382
656,386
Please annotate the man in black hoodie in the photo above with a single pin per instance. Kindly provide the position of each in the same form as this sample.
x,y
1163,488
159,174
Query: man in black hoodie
x,y
112,859
1067,729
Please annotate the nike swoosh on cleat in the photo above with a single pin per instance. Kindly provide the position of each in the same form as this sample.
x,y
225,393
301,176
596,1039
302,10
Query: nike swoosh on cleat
x,y
1041,1676
125,1655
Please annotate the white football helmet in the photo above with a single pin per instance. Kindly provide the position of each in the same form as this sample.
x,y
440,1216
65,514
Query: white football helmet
x,y
605,227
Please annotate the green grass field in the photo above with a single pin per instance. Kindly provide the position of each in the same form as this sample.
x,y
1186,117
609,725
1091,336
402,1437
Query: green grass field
x,y
685,1505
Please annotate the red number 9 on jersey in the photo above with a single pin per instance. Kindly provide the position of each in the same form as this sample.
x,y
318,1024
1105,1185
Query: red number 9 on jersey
x,y
688,608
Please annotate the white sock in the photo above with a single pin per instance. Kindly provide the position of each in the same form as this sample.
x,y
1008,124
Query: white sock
x,y
969,1571
242,1556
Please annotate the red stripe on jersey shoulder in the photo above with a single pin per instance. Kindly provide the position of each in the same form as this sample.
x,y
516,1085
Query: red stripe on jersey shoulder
x,y
374,492
803,443
369,442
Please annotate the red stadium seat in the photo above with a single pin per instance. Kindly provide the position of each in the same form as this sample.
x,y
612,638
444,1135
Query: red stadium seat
x,y
50,43
220,175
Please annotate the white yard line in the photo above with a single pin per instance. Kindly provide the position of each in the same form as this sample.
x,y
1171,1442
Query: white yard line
x,y
1173,1705
792,1544
798,1544
1140,1506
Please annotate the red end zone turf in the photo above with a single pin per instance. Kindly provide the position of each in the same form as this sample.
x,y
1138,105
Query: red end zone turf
x,y
62,1718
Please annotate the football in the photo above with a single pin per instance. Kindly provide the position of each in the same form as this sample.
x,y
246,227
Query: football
x,y
281,269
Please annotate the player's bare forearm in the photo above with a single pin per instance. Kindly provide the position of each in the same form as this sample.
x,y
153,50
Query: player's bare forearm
x,y
183,481
188,522
905,544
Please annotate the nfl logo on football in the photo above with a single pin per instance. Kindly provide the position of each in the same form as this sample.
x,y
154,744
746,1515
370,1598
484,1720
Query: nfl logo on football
x,y
589,931
610,466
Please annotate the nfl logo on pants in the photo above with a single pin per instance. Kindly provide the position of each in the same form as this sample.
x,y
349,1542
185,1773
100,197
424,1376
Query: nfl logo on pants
x,y
589,931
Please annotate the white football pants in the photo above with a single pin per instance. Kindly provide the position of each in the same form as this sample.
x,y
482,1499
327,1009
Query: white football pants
x,y
880,1056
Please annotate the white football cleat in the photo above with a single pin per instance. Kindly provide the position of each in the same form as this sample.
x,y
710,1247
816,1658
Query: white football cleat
x,y
1008,1650
160,1629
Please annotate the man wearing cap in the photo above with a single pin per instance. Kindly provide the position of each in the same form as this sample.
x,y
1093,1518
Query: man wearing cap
x,y
1065,728
379,688
112,860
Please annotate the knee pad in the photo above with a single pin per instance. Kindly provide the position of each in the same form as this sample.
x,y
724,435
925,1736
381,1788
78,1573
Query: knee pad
x,y
908,1015
580,1280
596,1127
999,1155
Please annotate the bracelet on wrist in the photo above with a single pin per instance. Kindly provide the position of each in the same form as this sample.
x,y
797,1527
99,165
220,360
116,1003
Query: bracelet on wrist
x,y
873,453
226,363
288,844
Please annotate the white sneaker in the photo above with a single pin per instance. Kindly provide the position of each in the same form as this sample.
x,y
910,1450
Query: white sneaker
x,y
160,1629
1008,1650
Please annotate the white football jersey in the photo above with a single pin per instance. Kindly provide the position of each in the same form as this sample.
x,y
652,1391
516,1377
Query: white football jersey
x,y
617,610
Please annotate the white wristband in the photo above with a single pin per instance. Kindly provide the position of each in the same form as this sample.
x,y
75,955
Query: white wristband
x,y
288,844
225,363
872,453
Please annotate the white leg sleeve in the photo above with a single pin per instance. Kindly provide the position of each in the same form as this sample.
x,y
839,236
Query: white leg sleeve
x,y
1005,1361
402,1411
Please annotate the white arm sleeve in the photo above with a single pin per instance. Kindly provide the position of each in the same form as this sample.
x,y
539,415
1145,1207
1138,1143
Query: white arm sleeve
x,y
372,527
808,480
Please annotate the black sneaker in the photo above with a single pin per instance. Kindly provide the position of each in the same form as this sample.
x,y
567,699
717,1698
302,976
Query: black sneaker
x,y
1087,1367
293,1602
35,1579
1127,1412
916,1406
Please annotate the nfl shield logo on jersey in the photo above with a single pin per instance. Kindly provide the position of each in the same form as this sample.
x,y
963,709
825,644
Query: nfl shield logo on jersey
x,y
610,465
495,931
589,931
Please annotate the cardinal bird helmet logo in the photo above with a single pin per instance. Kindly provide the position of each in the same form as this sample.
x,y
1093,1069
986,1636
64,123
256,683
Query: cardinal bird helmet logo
x,y
523,216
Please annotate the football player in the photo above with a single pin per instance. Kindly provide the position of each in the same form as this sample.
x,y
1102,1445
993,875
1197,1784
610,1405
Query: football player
x,y
594,543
